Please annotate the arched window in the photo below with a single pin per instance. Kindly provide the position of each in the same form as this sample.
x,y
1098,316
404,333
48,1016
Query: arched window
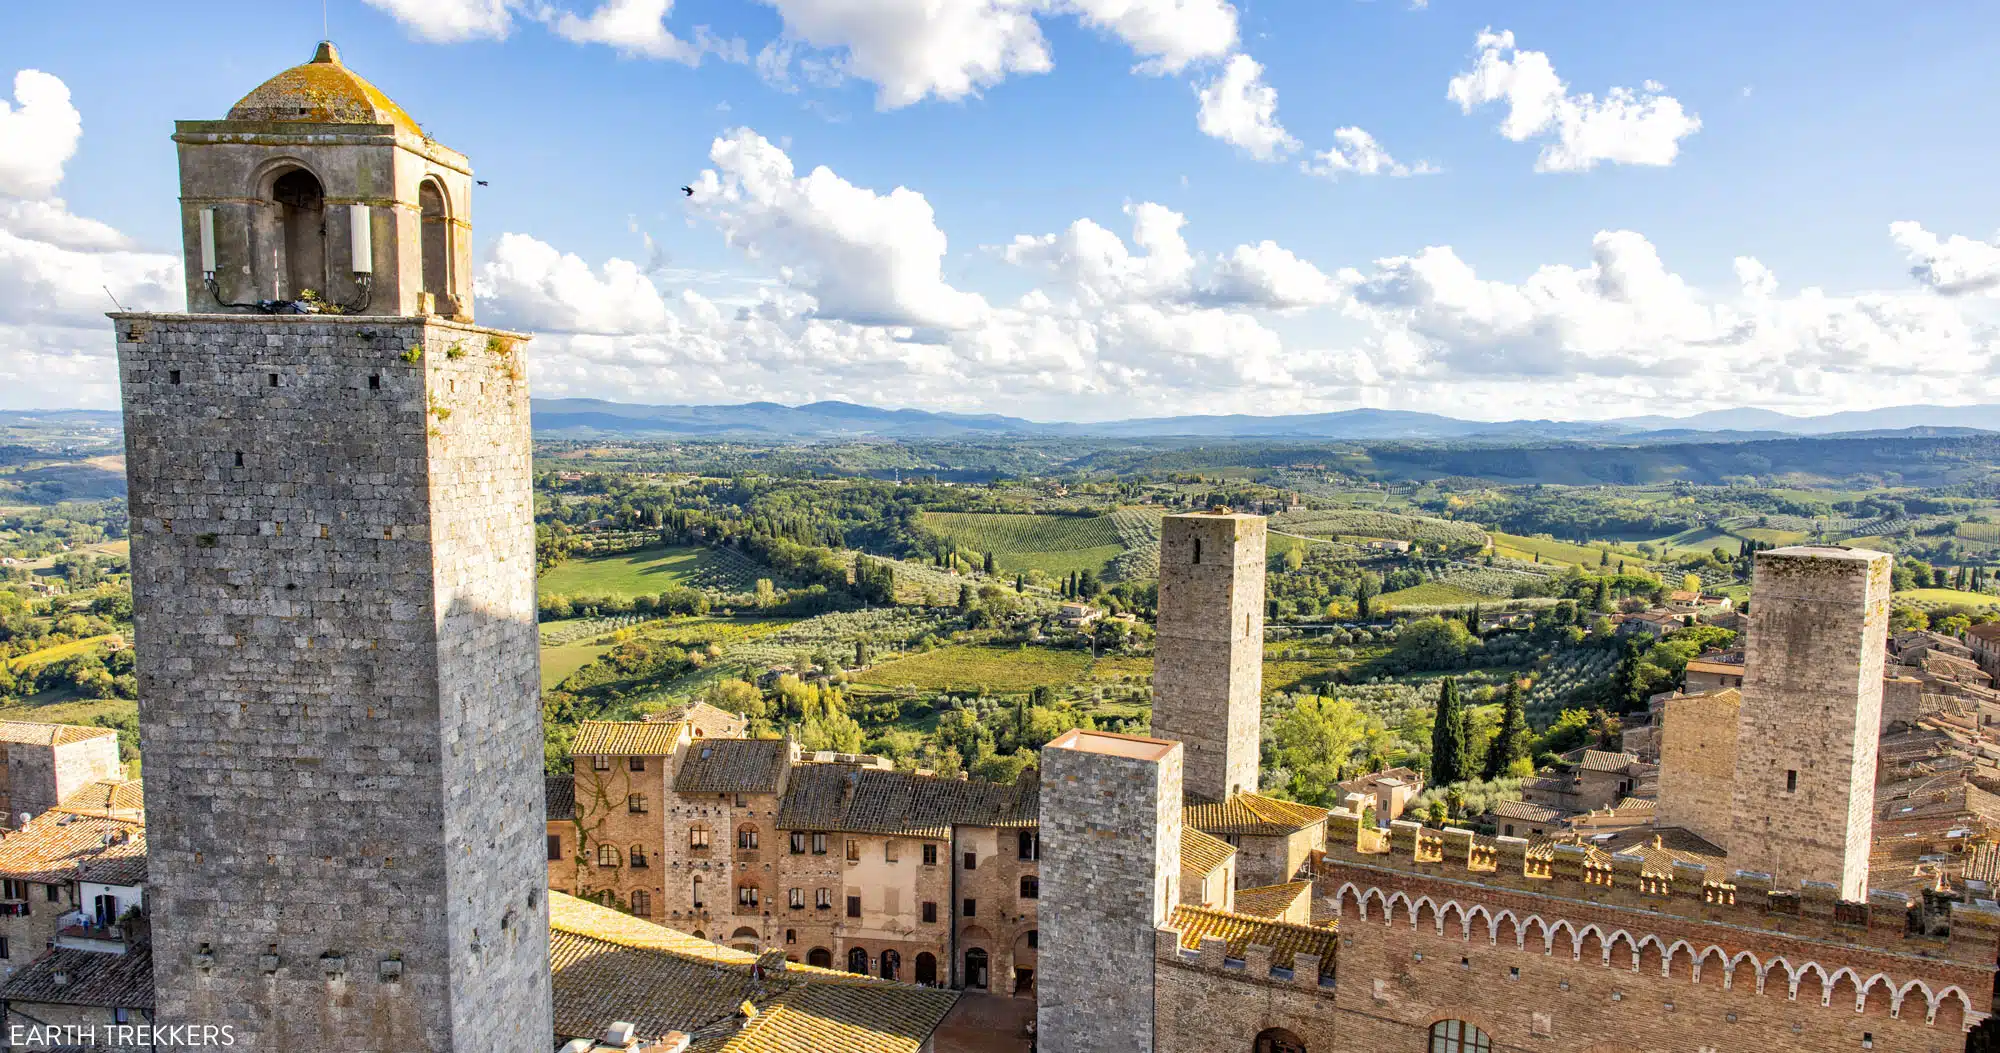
x,y
302,223
698,836
821,957
642,903
1457,1036
436,244
857,960
1031,886
697,892
746,836
637,856
607,855
1277,1040
926,968
892,963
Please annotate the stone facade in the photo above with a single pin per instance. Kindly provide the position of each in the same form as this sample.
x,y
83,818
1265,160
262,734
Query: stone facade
x,y
1209,656
1113,805
45,763
1698,763
1811,718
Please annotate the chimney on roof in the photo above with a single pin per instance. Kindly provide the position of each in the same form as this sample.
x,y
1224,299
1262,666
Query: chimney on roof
x,y
620,1035
60,978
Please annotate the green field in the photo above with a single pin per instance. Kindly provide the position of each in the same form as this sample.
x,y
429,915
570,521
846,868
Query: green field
x,y
38,659
641,573
1700,541
1514,546
1050,544
65,707
1773,536
559,661
1431,594
1001,670
1931,598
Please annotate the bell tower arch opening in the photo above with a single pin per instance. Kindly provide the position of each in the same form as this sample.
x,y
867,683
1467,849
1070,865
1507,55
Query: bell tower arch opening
x,y
436,244
301,211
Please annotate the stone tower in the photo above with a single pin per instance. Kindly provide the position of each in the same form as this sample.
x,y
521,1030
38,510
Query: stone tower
x,y
1208,664
1807,733
1111,865
333,582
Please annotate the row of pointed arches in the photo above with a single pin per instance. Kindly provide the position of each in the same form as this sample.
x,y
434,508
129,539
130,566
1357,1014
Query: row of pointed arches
x,y
1648,954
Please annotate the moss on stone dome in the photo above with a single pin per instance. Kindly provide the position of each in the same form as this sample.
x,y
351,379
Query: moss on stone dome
x,y
322,91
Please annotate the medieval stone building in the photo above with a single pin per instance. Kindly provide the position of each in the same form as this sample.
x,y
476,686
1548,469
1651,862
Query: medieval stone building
x,y
1451,942
333,584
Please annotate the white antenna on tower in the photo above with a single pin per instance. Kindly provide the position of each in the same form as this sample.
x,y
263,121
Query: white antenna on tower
x,y
324,33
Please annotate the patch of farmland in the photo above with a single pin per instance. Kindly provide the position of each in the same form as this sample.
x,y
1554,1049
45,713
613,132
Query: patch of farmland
x,y
1054,545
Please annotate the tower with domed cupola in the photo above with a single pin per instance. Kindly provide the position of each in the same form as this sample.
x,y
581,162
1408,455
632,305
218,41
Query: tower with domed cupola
x,y
333,586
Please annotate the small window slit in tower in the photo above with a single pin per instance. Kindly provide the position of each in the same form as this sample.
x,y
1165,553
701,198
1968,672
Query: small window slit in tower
x,y
173,376
374,381
1197,550
239,458
274,379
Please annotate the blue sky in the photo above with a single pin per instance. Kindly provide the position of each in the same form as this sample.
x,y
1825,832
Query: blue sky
x,y
1460,276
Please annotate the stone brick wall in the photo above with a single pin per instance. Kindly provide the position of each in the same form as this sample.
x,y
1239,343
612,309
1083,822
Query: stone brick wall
x,y
1005,917
1208,660
1111,838
1573,976
28,937
1698,763
1276,859
80,763
333,583
1202,1004
605,819
1810,726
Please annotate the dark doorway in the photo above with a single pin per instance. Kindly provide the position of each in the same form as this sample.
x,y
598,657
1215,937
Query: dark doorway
x,y
975,969
302,223
892,963
926,969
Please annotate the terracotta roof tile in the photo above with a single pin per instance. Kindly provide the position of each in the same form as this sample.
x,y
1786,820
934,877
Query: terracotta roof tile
x,y
870,800
1253,814
626,738
94,978
559,791
33,733
119,798
1202,853
1528,812
707,721
733,766
1241,930
1271,901
1600,760
51,846
609,966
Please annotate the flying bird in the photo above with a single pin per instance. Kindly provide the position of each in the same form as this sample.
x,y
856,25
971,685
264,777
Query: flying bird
x,y
482,182
688,190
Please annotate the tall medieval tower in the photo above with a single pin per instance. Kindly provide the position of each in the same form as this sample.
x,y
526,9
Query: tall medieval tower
x,y
1111,823
333,576
1811,719
1208,665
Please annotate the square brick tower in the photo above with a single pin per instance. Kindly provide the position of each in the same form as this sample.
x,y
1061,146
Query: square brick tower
x,y
333,582
1111,868
1208,661
1811,718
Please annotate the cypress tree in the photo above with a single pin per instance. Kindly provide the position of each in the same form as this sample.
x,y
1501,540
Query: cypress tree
x,y
1448,736
1511,744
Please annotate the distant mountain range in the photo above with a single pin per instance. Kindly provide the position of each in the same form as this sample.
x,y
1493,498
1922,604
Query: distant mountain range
x,y
597,418
592,418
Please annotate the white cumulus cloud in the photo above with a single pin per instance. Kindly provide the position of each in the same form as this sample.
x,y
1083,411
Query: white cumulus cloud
x,y
450,21
38,135
1954,266
1168,33
866,257
914,49
1238,108
1355,152
1578,130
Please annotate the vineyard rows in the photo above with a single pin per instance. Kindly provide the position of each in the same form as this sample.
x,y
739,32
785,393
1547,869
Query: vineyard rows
x,y
1356,523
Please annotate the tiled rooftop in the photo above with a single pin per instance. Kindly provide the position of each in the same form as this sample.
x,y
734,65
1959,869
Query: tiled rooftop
x,y
559,791
94,978
1241,930
732,766
609,966
1202,853
706,720
1271,901
871,800
121,798
1600,760
1253,814
626,738
51,846
33,733
1528,812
